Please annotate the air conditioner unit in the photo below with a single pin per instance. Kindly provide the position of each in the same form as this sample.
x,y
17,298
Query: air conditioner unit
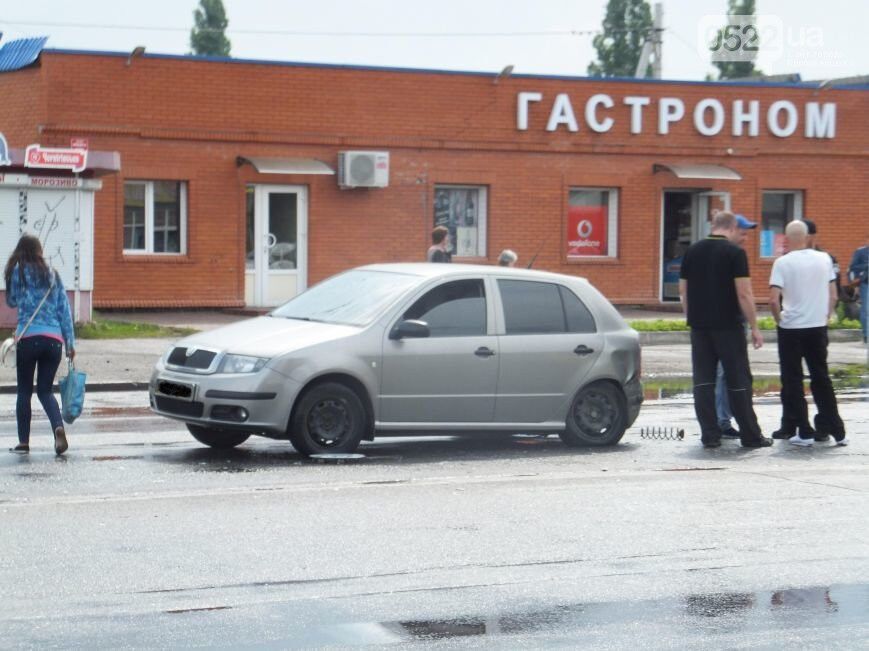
x,y
363,169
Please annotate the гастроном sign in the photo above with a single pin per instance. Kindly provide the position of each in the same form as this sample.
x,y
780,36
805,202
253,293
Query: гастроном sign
x,y
781,118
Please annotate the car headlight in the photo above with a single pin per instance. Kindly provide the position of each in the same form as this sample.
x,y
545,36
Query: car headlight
x,y
241,364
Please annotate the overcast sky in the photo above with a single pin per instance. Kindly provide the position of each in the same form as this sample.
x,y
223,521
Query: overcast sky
x,y
820,39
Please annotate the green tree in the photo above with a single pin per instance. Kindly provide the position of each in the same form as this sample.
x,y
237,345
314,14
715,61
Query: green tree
x,y
626,26
747,39
209,24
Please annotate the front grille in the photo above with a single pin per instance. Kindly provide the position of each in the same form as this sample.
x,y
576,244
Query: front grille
x,y
200,359
179,407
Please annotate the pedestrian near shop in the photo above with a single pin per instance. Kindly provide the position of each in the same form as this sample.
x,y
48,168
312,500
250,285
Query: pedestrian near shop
x,y
439,251
858,275
715,289
44,326
507,258
802,298
722,404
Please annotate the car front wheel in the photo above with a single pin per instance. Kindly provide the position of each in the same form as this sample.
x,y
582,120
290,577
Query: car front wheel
x,y
217,438
597,416
330,417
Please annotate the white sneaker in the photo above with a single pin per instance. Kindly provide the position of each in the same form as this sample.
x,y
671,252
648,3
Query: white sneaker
x,y
796,440
843,442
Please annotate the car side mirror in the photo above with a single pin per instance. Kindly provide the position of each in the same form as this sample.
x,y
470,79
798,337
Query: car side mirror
x,y
410,329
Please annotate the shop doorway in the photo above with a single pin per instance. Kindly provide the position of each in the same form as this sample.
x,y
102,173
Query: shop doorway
x,y
276,244
686,217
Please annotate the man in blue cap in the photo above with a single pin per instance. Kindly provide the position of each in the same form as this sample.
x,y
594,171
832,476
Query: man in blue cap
x,y
722,403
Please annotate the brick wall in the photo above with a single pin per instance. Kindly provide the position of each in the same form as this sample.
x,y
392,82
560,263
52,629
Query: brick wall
x,y
188,120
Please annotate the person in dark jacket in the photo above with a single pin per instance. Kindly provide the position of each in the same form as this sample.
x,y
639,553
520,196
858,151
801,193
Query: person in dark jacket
x,y
38,293
858,276
439,251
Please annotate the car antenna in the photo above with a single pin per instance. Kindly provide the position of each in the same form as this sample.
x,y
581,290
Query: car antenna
x,y
539,249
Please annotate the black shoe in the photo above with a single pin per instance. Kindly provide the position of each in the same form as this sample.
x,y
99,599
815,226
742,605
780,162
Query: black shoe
x,y
762,442
712,443
782,434
60,442
822,438
730,433
23,448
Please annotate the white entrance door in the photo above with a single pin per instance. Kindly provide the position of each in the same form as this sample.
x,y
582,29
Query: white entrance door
x,y
277,236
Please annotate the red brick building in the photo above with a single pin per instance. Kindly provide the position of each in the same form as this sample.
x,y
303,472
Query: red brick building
x,y
229,195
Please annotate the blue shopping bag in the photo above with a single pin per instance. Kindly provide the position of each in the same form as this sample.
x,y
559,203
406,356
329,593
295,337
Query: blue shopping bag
x,y
72,394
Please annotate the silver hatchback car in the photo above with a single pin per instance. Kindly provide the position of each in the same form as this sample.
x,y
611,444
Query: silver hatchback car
x,y
411,348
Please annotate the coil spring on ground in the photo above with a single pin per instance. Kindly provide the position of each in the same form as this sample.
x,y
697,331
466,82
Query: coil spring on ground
x,y
662,433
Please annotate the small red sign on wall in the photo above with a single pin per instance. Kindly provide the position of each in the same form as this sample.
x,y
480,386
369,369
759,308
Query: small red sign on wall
x,y
586,230
78,143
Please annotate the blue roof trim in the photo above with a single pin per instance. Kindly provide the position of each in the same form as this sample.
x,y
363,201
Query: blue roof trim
x,y
466,73
20,53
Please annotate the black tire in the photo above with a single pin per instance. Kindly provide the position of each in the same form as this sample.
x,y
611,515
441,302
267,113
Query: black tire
x,y
598,416
329,417
217,438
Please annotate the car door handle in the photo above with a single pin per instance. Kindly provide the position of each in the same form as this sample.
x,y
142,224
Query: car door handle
x,y
482,351
582,349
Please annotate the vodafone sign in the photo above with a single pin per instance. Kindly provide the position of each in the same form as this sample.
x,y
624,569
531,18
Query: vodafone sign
x,y
74,160
587,231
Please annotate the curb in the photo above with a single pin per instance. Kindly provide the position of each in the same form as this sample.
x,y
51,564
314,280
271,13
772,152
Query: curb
x,y
96,387
769,336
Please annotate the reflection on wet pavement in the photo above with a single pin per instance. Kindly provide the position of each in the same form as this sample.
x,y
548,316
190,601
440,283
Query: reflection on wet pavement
x,y
709,615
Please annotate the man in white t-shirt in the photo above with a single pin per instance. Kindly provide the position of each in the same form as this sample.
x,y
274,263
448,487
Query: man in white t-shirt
x,y
802,297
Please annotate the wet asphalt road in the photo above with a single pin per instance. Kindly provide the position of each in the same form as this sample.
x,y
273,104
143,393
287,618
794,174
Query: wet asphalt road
x,y
141,538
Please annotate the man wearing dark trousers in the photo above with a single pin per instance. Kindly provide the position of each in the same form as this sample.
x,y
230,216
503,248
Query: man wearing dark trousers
x,y
802,298
715,289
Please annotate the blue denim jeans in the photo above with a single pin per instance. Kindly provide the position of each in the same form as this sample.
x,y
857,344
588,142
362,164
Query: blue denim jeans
x,y
722,403
864,308
42,355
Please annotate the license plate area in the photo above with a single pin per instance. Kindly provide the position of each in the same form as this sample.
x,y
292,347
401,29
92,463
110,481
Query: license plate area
x,y
177,390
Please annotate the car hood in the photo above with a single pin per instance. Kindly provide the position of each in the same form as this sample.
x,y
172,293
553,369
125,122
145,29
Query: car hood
x,y
268,336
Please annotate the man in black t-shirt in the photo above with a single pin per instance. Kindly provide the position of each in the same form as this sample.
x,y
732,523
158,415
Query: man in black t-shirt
x,y
716,294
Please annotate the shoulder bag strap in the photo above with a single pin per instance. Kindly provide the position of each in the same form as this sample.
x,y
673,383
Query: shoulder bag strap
x,y
38,307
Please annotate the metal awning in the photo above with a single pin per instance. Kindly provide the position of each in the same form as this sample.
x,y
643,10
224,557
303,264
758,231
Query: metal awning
x,y
285,165
694,171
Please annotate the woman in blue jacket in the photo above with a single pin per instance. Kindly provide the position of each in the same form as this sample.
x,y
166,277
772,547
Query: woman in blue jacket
x,y
28,280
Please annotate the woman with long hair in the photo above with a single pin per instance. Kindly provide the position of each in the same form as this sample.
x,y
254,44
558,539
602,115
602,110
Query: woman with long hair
x,y
36,290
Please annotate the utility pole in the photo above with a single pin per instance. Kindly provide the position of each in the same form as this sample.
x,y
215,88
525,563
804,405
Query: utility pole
x,y
652,46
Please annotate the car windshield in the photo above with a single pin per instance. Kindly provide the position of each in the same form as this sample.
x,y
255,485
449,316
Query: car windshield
x,y
352,298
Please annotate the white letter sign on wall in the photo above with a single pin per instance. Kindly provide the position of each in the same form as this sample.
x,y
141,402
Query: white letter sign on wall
x,y
750,117
591,120
522,102
772,118
670,109
709,115
562,113
717,117
820,122
637,103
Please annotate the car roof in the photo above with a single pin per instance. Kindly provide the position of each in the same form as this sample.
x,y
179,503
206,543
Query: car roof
x,y
434,270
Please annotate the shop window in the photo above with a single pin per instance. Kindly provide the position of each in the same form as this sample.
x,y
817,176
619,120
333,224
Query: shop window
x,y
779,207
462,209
542,308
592,223
155,217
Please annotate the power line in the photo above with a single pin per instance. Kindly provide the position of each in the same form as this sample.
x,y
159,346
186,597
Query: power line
x,y
281,32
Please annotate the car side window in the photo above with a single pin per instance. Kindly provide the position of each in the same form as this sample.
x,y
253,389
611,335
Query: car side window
x,y
454,309
531,307
579,319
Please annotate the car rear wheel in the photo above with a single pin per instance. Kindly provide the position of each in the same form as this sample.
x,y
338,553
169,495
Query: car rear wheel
x,y
598,416
330,417
217,438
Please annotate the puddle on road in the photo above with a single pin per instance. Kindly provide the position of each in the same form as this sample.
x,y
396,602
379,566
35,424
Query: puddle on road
x,y
702,616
